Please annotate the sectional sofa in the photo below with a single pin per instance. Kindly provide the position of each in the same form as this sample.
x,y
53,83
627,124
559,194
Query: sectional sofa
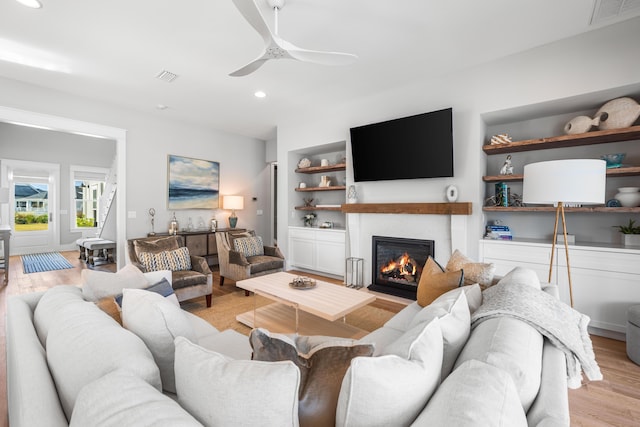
x,y
71,363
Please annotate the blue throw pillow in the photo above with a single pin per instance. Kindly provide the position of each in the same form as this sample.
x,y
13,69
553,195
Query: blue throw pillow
x,y
163,287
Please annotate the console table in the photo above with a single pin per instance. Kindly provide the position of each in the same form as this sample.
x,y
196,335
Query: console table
x,y
202,242
5,235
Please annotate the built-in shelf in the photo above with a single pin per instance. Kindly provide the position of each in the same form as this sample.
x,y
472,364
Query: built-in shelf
x,y
318,208
614,172
319,169
592,209
588,138
462,208
334,188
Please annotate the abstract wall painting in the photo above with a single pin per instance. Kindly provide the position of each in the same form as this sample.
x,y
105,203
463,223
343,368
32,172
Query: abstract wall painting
x,y
193,183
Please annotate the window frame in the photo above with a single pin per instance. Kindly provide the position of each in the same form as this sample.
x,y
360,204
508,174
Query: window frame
x,y
74,171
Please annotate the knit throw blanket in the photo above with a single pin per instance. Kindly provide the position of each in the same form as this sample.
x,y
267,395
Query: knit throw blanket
x,y
565,327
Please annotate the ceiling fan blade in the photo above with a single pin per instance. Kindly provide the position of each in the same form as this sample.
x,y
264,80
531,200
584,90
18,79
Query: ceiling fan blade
x,y
250,67
252,14
320,57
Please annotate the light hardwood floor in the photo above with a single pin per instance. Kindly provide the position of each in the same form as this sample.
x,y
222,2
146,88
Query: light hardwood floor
x,y
615,401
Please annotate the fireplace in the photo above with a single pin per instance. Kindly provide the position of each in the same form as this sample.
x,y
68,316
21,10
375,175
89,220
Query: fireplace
x,y
397,264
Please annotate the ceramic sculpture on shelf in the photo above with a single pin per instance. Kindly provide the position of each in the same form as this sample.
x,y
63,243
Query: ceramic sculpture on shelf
x,y
499,139
618,113
629,197
507,167
304,163
580,124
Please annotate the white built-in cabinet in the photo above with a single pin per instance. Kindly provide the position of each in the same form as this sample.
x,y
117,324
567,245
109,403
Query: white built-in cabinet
x,y
606,280
317,249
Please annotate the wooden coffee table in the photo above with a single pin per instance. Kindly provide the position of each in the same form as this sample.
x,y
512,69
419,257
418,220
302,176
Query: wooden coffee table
x,y
317,311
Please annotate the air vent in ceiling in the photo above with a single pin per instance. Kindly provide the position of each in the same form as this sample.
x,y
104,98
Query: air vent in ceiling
x,y
166,76
605,10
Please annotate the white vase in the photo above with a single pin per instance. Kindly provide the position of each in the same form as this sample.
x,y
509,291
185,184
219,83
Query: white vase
x,y
628,197
631,239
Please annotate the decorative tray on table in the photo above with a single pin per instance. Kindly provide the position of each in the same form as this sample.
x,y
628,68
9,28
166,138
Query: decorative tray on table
x,y
302,283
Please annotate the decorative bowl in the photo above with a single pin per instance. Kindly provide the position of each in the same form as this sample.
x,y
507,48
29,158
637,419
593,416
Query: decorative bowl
x,y
303,283
613,160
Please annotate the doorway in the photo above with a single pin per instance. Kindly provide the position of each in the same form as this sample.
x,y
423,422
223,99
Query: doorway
x,y
44,121
274,202
34,189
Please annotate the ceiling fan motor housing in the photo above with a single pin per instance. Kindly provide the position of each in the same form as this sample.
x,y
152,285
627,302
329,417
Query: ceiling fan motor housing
x,y
276,4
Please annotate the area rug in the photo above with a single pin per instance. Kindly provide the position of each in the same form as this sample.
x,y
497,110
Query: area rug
x,y
223,311
37,263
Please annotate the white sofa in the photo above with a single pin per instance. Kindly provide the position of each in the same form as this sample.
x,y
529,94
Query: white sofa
x,y
92,355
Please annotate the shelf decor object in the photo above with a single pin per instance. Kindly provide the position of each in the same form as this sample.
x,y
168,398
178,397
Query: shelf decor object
x,y
233,203
618,113
560,182
629,197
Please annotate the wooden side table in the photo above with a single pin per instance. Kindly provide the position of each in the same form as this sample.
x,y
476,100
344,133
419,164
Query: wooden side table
x,y
5,235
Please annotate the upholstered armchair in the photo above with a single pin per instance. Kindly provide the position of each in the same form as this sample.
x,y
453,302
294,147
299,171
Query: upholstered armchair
x,y
187,284
243,255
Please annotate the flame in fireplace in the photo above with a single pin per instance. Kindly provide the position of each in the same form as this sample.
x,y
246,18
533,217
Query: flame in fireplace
x,y
404,267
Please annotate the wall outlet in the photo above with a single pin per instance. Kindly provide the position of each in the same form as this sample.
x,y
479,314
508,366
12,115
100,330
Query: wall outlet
x,y
259,212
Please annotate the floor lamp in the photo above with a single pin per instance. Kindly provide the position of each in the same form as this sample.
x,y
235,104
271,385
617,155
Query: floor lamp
x,y
560,182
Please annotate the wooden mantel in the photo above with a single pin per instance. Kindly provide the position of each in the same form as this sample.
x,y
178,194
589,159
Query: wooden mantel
x,y
463,208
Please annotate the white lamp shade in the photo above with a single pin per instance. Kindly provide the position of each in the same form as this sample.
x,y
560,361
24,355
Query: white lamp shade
x,y
569,181
233,202
4,194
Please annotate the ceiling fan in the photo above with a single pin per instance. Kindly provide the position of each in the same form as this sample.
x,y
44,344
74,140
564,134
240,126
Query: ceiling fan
x,y
277,48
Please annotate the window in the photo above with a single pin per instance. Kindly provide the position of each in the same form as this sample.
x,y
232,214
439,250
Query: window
x,y
87,185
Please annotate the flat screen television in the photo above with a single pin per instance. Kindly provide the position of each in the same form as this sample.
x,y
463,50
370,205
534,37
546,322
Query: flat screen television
x,y
419,146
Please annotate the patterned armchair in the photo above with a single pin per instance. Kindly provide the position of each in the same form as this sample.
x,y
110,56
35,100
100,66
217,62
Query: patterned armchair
x,y
187,284
242,255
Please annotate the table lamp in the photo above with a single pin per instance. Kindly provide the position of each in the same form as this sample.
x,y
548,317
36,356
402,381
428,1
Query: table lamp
x,y
558,182
4,199
233,203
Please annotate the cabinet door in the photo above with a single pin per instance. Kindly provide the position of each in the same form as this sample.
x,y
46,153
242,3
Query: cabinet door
x,y
302,252
197,244
509,255
604,282
212,244
330,257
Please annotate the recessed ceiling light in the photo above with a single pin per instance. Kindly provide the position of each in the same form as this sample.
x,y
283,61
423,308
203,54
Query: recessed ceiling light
x,y
260,94
161,107
33,4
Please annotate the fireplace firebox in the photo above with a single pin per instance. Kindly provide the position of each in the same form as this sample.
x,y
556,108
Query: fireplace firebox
x,y
397,264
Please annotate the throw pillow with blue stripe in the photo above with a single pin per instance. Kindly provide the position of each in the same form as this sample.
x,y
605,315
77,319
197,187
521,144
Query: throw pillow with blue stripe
x,y
175,260
249,246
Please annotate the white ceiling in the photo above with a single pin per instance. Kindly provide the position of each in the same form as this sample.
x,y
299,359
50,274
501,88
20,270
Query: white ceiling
x,y
112,50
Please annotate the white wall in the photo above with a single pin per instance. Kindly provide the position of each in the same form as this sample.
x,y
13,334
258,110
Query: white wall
x,y
149,141
601,61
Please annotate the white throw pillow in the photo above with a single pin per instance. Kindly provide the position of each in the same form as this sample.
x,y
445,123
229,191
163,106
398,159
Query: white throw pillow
x,y
475,394
219,391
392,389
51,303
121,399
521,275
157,321
455,321
511,345
85,343
100,284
